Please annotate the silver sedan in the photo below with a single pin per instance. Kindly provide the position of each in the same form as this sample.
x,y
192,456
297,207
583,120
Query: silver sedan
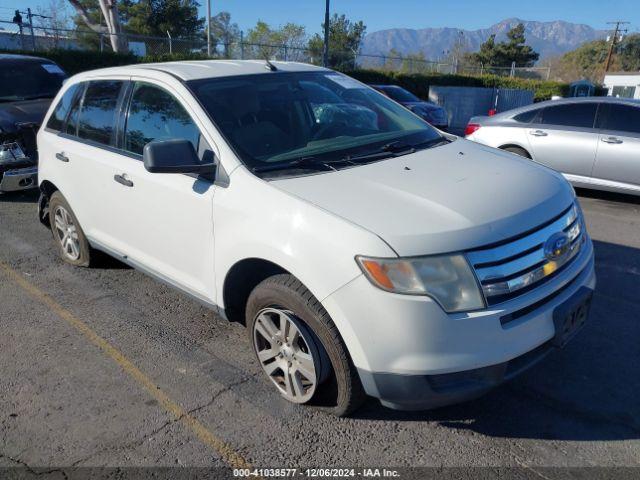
x,y
594,142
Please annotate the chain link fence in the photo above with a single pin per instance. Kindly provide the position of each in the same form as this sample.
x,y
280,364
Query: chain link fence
x,y
37,38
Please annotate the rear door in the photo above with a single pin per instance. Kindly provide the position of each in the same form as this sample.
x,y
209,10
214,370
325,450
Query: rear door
x,y
563,137
80,144
90,154
618,158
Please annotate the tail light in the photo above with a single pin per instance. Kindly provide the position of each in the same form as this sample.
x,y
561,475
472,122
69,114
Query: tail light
x,y
492,112
471,128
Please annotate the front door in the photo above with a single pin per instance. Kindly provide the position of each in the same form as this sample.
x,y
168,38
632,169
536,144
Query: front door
x,y
618,158
167,219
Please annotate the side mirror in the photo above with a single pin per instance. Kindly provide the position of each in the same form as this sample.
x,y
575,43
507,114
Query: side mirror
x,y
174,156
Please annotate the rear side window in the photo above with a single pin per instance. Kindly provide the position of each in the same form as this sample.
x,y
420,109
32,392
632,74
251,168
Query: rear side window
x,y
580,115
59,115
621,118
526,117
97,117
154,114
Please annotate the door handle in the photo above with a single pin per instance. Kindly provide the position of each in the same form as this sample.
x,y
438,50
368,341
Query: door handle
x,y
62,157
123,180
538,133
611,140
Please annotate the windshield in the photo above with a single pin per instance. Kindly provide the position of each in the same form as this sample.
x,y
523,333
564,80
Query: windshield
x,y
274,118
400,94
23,80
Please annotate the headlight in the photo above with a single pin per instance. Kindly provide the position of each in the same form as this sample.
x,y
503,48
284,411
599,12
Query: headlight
x,y
10,152
448,279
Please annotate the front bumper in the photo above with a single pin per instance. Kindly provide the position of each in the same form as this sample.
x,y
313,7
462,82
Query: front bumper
x,y
420,392
16,179
412,355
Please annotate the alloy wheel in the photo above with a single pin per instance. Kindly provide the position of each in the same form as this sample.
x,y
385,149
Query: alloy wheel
x,y
287,352
66,233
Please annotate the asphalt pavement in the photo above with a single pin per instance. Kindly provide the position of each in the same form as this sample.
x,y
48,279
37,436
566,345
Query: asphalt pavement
x,y
105,367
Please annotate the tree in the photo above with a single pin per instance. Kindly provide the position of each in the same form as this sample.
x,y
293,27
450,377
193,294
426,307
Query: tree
x,y
587,61
488,54
503,54
157,17
294,38
89,15
224,32
262,41
393,60
286,41
345,39
629,53
415,63
54,19
516,50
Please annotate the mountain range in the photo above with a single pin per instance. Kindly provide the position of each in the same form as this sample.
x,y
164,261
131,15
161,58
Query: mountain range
x,y
547,38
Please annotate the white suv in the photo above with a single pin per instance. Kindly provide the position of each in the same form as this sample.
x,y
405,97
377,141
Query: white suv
x,y
365,251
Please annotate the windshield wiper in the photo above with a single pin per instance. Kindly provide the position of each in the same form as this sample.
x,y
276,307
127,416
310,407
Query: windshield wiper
x,y
395,149
392,149
311,162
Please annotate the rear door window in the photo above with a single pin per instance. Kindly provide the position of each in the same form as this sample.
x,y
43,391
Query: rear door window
x,y
59,115
97,118
526,117
579,115
618,117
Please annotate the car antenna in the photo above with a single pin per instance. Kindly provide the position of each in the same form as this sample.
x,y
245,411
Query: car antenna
x,y
270,66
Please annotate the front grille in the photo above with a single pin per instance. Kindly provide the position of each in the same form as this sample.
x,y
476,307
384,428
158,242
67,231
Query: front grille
x,y
511,268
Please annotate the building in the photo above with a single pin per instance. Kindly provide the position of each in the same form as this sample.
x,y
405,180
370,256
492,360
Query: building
x,y
623,84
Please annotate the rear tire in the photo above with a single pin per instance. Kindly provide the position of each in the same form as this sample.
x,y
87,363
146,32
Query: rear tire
x,y
518,151
71,243
338,388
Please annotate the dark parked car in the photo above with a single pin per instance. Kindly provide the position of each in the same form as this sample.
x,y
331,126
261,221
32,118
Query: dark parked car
x,y
27,86
432,113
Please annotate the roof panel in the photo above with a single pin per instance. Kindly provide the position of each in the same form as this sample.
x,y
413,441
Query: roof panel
x,y
197,69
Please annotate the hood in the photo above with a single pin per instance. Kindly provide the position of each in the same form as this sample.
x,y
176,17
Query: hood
x,y
449,198
27,111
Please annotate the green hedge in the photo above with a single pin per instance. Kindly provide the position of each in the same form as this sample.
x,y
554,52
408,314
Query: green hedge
x,y
75,61
419,83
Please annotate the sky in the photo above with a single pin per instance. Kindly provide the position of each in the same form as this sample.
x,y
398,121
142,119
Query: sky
x,y
383,14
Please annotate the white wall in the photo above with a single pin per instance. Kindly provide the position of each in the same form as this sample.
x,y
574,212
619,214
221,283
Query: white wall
x,y
613,80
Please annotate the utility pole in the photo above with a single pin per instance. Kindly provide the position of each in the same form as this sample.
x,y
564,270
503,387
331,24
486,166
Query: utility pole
x,y
614,40
325,53
208,28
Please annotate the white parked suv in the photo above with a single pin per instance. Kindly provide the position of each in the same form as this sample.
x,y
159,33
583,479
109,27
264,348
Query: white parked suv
x,y
365,251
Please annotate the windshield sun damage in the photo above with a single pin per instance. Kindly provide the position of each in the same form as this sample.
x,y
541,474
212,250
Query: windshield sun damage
x,y
25,80
309,120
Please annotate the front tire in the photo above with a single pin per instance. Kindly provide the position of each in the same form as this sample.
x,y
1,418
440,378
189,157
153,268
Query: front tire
x,y
71,243
299,348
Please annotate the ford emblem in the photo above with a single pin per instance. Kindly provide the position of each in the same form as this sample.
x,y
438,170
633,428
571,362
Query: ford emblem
x,y
556,246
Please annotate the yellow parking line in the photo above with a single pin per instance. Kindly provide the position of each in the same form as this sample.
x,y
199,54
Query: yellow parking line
x,y
231,457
